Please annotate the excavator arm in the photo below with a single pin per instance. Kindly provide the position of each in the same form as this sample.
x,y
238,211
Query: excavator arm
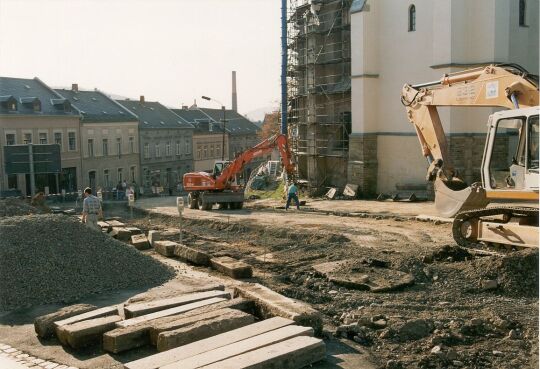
x,y
280,141
505,86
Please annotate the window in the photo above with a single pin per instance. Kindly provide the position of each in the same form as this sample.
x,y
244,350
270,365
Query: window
x,y
43,138
58,138
205,151
158,153
211,151
10,139
106,178
218,150
36,106
131,145
534,138
119,146
412,18
522,9
168,148
120,175
188,146
90,147
199,153
72,141
12,106
132,174
146,151
27,138
105,147
178,149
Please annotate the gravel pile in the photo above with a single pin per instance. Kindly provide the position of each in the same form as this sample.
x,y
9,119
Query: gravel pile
x,y
13,206
54,258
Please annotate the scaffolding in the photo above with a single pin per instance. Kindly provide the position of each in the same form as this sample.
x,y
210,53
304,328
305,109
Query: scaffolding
x,y
319,88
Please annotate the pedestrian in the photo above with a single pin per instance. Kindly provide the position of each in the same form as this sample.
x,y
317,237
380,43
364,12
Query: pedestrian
x,y
292,194
91,209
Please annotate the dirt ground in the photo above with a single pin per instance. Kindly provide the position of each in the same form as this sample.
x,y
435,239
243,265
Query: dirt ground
x,y
448,317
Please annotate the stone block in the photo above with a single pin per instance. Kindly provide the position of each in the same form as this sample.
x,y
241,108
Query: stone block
x,y
140,242
232,267
202,329
165,248
153,236
269,303
192,255
44,325
89,332
134,230
121,234
98,313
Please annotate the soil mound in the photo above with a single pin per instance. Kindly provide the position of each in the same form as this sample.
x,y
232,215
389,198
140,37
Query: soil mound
x,y
54,258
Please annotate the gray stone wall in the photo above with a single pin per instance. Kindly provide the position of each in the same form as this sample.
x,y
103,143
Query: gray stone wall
x,y
362,165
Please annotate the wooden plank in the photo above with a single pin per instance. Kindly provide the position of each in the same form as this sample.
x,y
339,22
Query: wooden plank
x,y
207,344
168,312
98,313
44,325
138,309
203,328
293,353
232,267
89,332
237,348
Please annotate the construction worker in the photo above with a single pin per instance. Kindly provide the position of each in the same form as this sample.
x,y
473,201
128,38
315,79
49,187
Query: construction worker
x,y
91,209
292,194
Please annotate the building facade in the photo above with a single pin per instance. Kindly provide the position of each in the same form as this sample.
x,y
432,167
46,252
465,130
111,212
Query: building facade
x,y
165,144
394,42
210,141
109,139
31,112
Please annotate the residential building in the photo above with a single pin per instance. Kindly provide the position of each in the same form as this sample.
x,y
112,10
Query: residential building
x,y
396,42
109,139
319,89
243,134
165,144
210,141
31,112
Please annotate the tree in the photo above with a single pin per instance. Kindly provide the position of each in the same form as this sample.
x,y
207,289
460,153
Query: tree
x,y
270,125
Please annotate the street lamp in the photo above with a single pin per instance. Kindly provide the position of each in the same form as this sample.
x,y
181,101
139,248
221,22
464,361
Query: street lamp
x,y
224,122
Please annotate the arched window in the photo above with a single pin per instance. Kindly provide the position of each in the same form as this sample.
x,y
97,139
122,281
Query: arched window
x,y
522,8
412,18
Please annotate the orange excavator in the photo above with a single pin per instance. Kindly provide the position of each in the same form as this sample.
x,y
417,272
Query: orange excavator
x,y
220,187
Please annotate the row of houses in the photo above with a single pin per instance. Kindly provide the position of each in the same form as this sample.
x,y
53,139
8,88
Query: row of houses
x,y
104,141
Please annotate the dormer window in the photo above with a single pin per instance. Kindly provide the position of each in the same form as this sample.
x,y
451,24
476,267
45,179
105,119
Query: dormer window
x,y
12,106
31,103
36,105
61,104
8,102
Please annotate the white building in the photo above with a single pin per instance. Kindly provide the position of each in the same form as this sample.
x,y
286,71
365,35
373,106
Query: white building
x,y
394,42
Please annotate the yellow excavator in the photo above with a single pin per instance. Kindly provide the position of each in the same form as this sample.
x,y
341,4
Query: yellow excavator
x,y
502,210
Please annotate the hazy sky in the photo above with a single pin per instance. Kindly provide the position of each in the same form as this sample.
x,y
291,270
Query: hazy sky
x,y
168,50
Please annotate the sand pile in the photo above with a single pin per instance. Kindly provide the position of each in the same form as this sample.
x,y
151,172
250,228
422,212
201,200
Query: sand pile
x,y
54,258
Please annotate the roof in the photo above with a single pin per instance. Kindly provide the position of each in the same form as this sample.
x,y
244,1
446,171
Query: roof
x,y
199,120
26,92
357,6
153,115
95,106
236,124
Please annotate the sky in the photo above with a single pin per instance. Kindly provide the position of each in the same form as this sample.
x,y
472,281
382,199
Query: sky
x,y
172,51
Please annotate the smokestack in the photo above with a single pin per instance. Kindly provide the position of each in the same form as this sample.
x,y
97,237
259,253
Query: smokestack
x,y
75,87
141,99
234,97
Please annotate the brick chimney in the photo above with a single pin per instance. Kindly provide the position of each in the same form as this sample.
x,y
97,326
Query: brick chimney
x,y
141,99
74,87
234,96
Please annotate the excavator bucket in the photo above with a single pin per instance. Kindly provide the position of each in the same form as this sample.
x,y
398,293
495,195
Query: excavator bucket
x,y
451,197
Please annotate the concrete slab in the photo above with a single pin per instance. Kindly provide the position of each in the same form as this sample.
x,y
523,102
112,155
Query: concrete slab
x,y
120,233
232,267
123,339
165,248
201,329
293,353
44,325
241,347
140,242
269,303
211,343
98,313
192,255
89,332
153,236
138,309
169,312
